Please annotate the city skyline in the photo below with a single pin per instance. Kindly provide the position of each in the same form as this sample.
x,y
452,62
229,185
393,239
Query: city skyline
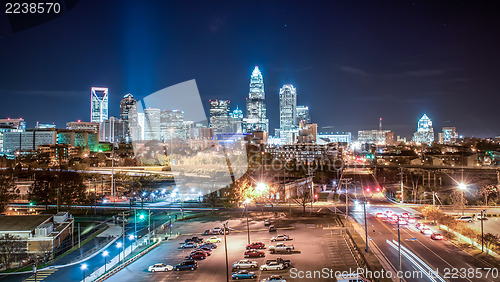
x,y
396,79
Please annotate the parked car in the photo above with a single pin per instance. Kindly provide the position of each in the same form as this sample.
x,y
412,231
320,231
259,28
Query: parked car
x,y
160,267
244,274
207,232
187,264
254,254
286,262
245,263
281,237
189,245
267,222
465,218
273,265
272,228
217,229
213,239
207,253
273,278
281,247
436,236
197,255
256,245
209,245
207,250
481,217
197,239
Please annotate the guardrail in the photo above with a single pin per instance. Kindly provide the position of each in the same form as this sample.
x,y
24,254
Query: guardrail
x,y
113,271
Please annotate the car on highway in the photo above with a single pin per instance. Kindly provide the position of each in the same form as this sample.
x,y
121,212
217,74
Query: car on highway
x,y
245,263
405,215
244,274
465,218
281,247
282,237
213,239
426,231
185,265
160,267
196,256
267,222
273,265
436,236
419,226
380,215
273,278
272,228
412,220
286,262
189,245
254,254
209,245
256,245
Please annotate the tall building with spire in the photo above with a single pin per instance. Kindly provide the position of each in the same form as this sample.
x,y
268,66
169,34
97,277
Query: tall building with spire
x,y
425,132
98,104
256,108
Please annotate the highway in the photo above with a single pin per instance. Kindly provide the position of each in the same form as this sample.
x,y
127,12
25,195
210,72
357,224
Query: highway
x,y
424,254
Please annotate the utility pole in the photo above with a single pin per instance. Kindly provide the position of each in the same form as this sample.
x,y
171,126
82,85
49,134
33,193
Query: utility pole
x,y
399,248
149,226
79,237
113,173
57,198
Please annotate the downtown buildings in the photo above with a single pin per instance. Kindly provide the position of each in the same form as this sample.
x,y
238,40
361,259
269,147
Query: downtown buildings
x,y
425,132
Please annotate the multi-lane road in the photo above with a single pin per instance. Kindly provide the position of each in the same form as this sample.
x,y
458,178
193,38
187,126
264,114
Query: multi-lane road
x,y
419,252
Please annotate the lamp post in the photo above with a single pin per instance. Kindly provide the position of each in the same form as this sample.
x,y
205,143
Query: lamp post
x,y
119,245
105,254
225,250
247,201
366,228
482,233
399,248
462,188
84,267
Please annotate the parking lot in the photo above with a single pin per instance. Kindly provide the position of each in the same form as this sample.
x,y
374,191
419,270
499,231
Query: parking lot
x,y
311,239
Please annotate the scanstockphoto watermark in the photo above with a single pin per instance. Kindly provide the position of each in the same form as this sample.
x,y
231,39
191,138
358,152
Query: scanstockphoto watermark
x,y
328,273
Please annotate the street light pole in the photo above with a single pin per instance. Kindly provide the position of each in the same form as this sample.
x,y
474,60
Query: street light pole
x,y
248,226
482,233
366,227
399,248
225,250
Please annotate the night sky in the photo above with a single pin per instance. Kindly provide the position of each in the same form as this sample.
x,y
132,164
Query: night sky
x,y
351,61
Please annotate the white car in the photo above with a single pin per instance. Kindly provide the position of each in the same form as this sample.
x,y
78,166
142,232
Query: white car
x,y
213,239
274,278
160,267
245,263
281,237
273,265
426,231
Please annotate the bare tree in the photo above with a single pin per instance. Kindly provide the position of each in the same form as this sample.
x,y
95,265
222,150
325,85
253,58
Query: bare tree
x,y
8,191
12,249
304,197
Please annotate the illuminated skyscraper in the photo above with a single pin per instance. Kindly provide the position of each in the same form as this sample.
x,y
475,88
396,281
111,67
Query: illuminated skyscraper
x,y
288,108
172,125
151,124
126,103
236,120
98,104
256,107
425,132
219,116
303,114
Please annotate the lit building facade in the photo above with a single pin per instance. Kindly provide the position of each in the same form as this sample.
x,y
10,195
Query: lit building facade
x,y
172,125
10,125
425,132
448,135
256,119
335,137
98,104
303,114
113,130
28,140
236,120
83,126
377,137
219,116
288,107
126,104
152,124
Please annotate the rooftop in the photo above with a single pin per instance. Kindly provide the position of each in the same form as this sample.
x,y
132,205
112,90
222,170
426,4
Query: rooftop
x,y
21,222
